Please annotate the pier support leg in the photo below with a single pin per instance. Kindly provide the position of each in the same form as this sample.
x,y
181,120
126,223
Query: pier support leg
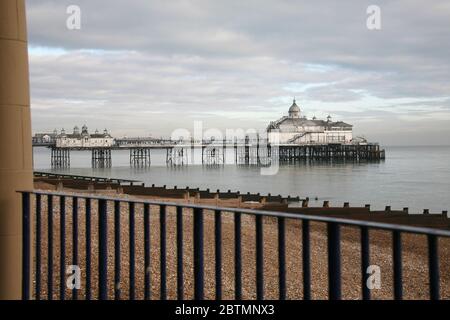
x,y
101,158
16,155
60,158
140,157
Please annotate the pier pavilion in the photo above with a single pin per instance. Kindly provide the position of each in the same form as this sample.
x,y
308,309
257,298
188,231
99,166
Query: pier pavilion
x,y
297,129
84,139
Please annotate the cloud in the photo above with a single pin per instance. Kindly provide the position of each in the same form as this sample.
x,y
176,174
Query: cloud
x,y
151,66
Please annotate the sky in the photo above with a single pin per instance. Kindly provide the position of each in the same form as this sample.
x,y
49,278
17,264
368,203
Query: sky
x,y
149,67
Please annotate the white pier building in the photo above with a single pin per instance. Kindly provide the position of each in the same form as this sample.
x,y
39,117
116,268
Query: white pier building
x,y
297,129
84,139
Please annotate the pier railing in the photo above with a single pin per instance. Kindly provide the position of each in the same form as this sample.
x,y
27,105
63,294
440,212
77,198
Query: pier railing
x,y
106,236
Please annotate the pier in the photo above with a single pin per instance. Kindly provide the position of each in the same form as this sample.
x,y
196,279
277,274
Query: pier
x,y
213,153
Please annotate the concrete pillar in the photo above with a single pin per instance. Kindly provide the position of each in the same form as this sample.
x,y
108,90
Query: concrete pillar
x,y
15,144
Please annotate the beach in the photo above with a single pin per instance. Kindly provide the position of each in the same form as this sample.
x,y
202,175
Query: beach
x,y
415,259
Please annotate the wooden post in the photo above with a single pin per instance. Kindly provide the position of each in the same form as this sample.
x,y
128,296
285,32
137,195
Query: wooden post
x,y
239,201
197,197
216,198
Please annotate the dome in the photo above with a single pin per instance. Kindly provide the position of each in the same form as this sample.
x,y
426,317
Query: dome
x,y
84,130
294,110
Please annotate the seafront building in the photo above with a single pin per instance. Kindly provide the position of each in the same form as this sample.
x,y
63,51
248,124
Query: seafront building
x,y
297,129
84,139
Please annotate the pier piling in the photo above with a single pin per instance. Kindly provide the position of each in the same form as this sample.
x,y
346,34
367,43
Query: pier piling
x,y
101,158
60,157
140,157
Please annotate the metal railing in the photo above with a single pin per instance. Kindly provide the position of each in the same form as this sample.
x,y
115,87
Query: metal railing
x,y
109,210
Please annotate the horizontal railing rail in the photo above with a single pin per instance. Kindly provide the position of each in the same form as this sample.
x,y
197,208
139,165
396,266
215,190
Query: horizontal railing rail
x,y
107,214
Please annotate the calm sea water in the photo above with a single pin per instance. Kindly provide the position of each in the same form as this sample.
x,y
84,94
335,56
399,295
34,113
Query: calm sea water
x,y
414,177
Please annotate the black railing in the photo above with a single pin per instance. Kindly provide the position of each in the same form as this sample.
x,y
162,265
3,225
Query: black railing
x,y
107,213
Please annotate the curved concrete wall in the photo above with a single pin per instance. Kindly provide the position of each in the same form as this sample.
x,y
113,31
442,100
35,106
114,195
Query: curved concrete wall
x,y
15,142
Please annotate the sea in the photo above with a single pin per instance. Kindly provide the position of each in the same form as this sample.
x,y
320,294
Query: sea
x,y
417,177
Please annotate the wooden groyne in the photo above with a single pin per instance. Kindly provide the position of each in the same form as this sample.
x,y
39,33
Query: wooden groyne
x,y
234,199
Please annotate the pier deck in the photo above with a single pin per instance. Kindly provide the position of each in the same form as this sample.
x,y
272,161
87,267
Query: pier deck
x,y
246,152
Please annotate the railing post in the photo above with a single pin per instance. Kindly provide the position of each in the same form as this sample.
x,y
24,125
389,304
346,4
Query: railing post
x,y
281,258
218,252
50,247
103,250
147,253
62,247
237,257
88,247
163,253
131,239
26,252
433,266
198,255
38,247
117,262
365,261
306,260
334,261
180,285
75,240
397,260
259,258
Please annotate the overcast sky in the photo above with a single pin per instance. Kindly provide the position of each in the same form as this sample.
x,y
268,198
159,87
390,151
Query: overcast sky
x,y
141,67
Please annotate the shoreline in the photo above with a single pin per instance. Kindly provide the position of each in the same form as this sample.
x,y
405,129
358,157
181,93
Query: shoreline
x,y
248,201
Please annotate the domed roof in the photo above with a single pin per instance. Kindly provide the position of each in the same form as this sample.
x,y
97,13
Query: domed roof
x,y
294,110
294,107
